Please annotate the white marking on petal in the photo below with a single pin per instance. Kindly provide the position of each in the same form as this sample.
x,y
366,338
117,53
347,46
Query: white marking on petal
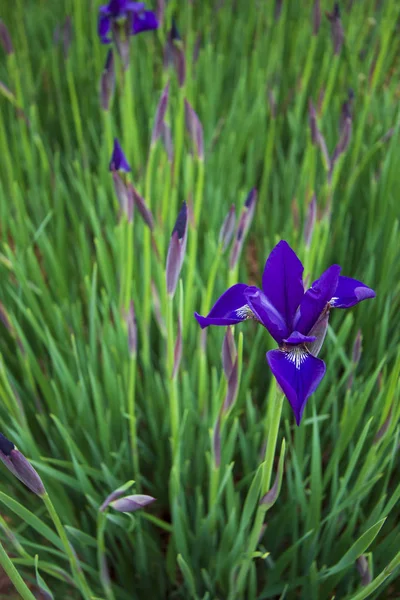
x,y
332,301
297,355
245,312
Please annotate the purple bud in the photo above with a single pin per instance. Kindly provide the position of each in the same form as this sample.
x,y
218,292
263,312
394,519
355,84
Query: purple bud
x,y
216,442
142,208
166,137
229,353
160,114
114,495
271,496
118,160
67,36
107,82
121,31
357,348
337,32
383,429
157,308
343,142
5,38
132,329
319,331
316,18
233,386
174,54
278,9
228,228
346,111
123,195
176,250
20,466
310,222
364,570
177,350
131,503
244,223
195,130
316,136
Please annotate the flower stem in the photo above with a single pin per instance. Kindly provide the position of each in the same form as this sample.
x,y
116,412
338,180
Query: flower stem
x,y
132,420
14,576
173,396
73,561
273,421
101,556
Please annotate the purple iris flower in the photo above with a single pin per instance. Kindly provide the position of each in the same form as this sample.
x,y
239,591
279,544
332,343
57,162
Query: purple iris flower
x,y
131,15
296,319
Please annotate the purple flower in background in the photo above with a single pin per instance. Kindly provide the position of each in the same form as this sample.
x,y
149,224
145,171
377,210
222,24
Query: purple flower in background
x,y
296,319
118,160
132,16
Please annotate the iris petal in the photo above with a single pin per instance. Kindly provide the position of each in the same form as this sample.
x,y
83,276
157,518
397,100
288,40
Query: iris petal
x,y
349,292
144,21
266,313
282,281
316,299
298,374
118,160
298,338
103,28
231,308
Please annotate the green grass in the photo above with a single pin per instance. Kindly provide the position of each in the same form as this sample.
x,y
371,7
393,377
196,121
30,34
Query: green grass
x,y
78,404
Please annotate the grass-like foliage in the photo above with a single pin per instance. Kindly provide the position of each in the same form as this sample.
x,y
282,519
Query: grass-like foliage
x,y
107,380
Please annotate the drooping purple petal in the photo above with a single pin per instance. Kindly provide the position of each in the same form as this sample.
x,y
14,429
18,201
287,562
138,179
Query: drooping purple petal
x,y
349,292
131,503
298,374
118,160
266,313
103,29
282,281
144,21
298,338
319,332
315,300
231,308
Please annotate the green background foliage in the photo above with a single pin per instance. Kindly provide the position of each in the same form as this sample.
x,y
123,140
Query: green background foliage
x,y
89,415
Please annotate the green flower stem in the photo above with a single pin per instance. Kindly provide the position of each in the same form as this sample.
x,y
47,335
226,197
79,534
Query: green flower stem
x,y
101,555
128,263
73,561
272,421
173,394
193,241
146,304
132,420
14,576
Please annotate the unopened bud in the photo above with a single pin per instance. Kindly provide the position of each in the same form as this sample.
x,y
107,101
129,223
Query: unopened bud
x,y
118,160
166,137
243,227
174,55
228,228
176,250
160,115
131,503
5,38
115,494
229,352
316,16
310,221
142,208
20,466
319,331
107,82
195,130
233,387
124,196
337,32
364,570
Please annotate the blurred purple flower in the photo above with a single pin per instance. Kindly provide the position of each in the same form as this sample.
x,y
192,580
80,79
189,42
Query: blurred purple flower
x,y
5,39
296,319
132,16
20,466
195,129
174,55
228,228
118,160
336,28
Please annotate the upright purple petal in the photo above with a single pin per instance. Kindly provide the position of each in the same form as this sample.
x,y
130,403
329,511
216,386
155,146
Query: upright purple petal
x,y
298,338
144,21
118,160
298,374
231,308
266,313
282,281
316,299
103,29
349,292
